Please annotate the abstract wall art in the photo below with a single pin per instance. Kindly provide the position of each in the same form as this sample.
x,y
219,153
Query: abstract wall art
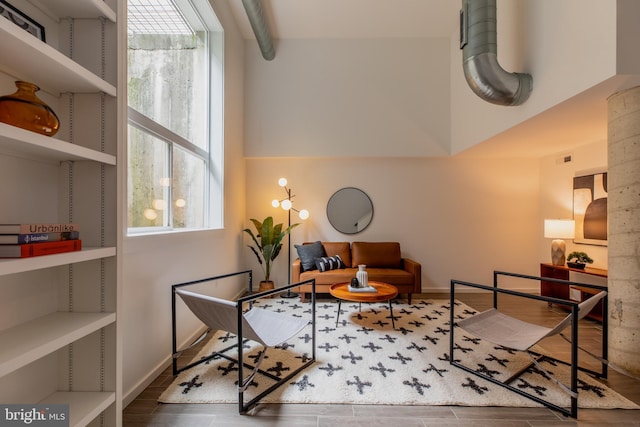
x,y
590,209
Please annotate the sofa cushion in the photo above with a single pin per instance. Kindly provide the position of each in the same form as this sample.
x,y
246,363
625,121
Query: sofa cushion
x,y
329,277
393,276
339,248
329,263
376,254
308,253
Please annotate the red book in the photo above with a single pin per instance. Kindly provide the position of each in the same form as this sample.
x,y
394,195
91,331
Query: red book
x,y
36,249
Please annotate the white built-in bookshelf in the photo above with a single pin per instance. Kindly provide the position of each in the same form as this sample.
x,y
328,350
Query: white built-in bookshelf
x,y
59,339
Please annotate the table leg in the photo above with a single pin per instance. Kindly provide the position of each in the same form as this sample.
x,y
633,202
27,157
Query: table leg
x,y
338,316
393,323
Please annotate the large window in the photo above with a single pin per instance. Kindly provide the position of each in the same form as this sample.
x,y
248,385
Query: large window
x,y
175,116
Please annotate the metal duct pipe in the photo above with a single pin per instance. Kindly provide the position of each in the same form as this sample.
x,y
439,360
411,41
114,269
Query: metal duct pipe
x,y
479,57
260,28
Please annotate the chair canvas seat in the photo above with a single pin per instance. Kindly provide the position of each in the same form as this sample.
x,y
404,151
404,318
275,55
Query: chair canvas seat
x,y
500,329
272,327
269,328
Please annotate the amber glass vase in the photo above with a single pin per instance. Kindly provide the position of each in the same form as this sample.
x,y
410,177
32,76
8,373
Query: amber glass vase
x,y
25,110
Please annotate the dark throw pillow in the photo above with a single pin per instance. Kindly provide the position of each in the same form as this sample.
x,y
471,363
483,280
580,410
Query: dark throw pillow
x,y
329,263
308,254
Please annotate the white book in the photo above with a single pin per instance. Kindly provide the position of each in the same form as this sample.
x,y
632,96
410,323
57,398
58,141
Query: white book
x,y
365,289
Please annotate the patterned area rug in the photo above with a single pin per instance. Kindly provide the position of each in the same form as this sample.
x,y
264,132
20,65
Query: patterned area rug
x,y
363,360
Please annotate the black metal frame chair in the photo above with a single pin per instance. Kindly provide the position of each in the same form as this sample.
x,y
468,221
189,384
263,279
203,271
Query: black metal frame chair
x,y
575,315
247,324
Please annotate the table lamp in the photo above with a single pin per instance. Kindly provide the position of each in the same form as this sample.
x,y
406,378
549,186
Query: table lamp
x,y
559,229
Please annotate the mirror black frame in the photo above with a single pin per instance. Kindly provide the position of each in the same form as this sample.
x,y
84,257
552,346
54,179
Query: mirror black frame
x,y
331,213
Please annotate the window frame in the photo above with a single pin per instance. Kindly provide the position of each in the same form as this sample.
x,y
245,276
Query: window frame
x,y
213,158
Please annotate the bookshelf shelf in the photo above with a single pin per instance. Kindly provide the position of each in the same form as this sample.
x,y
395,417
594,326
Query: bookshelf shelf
x,y
79,9
20,142
29,341
21,265
83,406
35,61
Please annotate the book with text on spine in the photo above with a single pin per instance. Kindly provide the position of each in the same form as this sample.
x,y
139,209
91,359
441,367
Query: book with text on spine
x,y
36,228
15,239
28,250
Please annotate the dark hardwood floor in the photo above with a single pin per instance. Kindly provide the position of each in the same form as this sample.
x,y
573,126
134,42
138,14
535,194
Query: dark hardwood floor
x,y
146,411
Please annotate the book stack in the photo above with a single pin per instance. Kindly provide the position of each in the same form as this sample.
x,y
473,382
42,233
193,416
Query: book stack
x,y
29,240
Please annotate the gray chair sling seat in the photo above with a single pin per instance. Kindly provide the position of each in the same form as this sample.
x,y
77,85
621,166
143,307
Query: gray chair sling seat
x,y
269,328
496,327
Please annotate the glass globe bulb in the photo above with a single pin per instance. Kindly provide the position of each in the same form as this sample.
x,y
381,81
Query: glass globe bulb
x,y
282,182
275,203
304,214
286,205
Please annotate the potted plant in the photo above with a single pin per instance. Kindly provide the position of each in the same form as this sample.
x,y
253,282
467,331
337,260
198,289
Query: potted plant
x,y
578,260
267,243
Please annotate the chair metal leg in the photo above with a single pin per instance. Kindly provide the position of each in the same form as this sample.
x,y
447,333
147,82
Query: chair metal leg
x,y
393,322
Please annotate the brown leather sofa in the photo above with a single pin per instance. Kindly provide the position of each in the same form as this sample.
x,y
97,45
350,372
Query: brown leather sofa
x,y
383,261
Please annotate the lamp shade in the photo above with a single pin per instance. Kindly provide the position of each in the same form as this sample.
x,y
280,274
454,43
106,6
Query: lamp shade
x,y
559,228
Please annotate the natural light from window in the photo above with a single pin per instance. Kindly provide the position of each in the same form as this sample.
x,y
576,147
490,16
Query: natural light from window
x,y
175,121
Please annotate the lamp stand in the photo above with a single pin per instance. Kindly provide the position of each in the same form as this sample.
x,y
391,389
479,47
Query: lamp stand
x,y
558,248
289,294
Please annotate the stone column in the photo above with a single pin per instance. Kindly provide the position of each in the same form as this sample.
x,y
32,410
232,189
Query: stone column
x,y
624,229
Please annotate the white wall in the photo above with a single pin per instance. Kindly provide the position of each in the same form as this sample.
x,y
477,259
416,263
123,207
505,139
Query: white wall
x,y
460,218
627,33
349,97
152,264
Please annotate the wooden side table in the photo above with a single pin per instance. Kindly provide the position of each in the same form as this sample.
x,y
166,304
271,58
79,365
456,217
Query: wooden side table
x,y
570,293
384,292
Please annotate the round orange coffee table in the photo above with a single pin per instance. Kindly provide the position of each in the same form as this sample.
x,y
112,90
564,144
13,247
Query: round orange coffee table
x,y
384,292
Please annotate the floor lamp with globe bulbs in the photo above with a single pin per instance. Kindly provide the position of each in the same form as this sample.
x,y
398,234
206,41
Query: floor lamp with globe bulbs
x,y
287,205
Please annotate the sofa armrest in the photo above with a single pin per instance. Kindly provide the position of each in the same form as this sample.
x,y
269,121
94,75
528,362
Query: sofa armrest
x,y
296,268
414,268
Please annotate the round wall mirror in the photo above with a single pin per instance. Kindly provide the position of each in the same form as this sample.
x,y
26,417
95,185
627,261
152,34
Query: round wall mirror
x,y
350,210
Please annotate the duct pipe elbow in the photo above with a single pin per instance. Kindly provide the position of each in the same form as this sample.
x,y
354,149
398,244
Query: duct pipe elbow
x,y
254,11
478,41
491,82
